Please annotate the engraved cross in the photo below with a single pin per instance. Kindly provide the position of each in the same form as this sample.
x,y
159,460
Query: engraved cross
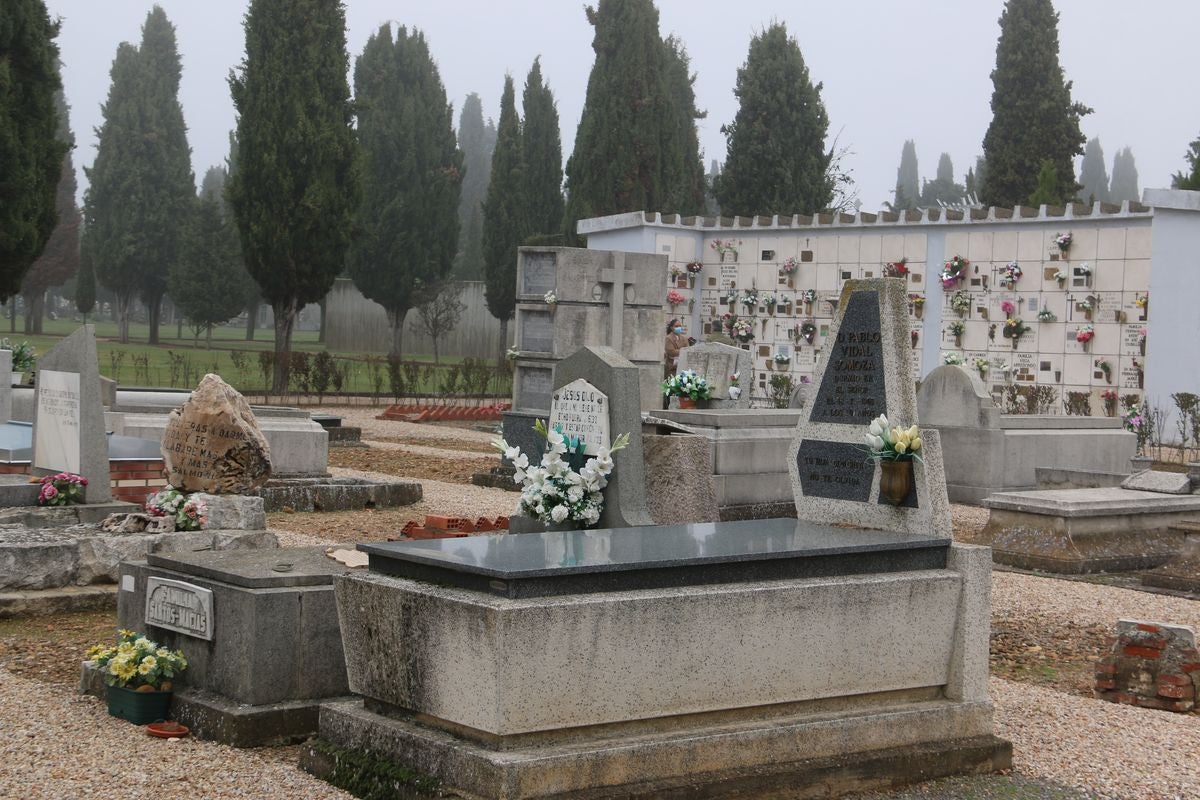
x,y
619,279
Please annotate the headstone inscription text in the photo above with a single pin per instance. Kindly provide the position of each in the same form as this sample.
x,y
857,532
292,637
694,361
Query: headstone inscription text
x,y
538,273
179,606
852,390
533,387
537,332
58,415
837,470
199,443
581,410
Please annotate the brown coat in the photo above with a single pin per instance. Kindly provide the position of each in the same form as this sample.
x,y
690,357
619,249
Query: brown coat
x,y
675,343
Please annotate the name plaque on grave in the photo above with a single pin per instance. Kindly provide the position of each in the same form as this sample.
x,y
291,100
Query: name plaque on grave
x,y
58,414
852,388
533,388
537,332
581,410
538,273
178,606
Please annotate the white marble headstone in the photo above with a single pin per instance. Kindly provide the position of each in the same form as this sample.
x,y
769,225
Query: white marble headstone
x,y
581,410
58,411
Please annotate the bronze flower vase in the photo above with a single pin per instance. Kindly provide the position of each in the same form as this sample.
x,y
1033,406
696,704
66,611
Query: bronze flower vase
x,y
895,480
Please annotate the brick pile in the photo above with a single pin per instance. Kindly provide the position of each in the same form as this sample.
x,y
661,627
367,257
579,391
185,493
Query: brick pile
x,y
1151,665
438,526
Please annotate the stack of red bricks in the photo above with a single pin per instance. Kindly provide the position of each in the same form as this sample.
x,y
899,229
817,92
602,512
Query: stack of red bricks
x,y
419,413
1152,665
441,527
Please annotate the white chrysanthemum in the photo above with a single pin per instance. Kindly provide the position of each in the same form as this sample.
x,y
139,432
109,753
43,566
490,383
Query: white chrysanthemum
x,y
575,494
559,513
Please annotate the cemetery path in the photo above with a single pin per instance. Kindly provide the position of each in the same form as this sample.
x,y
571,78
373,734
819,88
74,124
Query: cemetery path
x,y
385,429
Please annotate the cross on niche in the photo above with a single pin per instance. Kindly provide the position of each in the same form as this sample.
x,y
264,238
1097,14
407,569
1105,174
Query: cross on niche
x,y
618,278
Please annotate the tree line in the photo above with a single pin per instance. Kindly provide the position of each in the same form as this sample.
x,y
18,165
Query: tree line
x,y
376,183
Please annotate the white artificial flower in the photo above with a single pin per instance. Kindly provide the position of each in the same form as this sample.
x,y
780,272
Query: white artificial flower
x,y
591,516
512,453
575,494
559,513
556,442
521,461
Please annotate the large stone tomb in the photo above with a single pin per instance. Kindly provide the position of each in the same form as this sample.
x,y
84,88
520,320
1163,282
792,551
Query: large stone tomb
x,y
747,657
268,651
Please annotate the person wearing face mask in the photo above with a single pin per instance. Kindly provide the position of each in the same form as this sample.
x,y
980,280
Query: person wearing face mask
x,y
676,341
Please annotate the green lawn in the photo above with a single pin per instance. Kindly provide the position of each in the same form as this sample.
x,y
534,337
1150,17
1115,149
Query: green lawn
x,y
179,363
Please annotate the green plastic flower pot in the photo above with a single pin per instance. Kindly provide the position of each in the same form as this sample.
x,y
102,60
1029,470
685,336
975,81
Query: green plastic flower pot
x,y
140,708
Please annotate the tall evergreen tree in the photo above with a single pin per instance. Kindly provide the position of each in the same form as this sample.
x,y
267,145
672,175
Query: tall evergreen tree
x,y
541,154
208,283
1034,118
777,162
682,167
1048,189
31,152
476,140
1191,178
85,283
113,205
60,260
1124,184
942,190
168,180
504,223
630,135
408,221
907,179
296,183
1093,175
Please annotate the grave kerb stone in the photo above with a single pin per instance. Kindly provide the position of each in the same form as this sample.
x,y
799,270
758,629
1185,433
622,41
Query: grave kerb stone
x,y
76,354
865,371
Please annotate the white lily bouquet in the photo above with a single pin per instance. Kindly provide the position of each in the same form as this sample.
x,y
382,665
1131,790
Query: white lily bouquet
x,y
893,444
558,490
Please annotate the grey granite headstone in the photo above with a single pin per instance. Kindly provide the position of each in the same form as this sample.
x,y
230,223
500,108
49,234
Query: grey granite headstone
x,y
5,386
1160,482
75,356
613,375
952,396
865,371
716,363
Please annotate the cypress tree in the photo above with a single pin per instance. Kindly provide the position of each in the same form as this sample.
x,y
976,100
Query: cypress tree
x,y
208,281
504,224
408,222
476,141
907,191
31,151
60,260
1124,184
630,133
683,171
541,154
85,282
1047,191
1093,175
296,184
777,162
1191,178
167,173
1033,116
942,190
114,204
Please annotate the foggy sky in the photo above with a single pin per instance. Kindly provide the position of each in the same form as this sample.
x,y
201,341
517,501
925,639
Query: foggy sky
x,y
891,70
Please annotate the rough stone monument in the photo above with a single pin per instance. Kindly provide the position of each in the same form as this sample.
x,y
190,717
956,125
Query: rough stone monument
x,y
717,363
865,371
68,420
213,444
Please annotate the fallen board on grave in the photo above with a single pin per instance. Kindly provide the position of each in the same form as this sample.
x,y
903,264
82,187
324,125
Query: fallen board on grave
x,y
865,371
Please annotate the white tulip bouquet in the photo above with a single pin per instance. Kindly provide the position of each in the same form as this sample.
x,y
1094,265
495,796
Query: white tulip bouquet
x,y
892,443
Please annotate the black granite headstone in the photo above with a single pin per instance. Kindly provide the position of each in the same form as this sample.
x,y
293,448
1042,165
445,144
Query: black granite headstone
x,y
836,470
852,388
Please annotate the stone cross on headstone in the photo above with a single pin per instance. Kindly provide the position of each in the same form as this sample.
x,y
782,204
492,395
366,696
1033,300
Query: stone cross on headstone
x,y
618,279
865,371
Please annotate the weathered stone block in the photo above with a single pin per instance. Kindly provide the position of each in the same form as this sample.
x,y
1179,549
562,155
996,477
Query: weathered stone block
x,y
213,443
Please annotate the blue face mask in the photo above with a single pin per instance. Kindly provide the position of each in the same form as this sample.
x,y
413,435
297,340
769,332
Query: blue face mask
x,y
679,330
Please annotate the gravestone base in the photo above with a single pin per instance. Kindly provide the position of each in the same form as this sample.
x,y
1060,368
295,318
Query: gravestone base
x,y
1078,531
275,652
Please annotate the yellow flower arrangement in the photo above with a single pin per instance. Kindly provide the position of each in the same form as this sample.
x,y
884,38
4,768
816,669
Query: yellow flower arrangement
x,y
135,662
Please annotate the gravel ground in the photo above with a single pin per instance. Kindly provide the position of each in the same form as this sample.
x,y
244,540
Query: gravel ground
x,y
385,428
55,744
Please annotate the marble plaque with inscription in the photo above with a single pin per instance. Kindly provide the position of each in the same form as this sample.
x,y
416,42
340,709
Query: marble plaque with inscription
x,y
580,410
58,413
852,390
538,272
537,332
178,606
533,388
